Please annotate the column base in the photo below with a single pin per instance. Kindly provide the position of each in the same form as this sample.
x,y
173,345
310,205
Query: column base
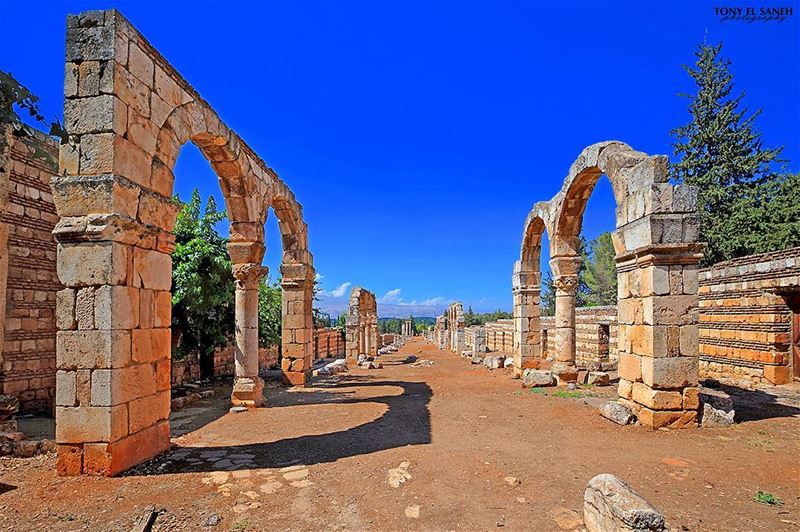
x,y
673,419
248,391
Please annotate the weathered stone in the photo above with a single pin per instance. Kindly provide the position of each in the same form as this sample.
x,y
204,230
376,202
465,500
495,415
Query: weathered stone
x,y
610,504
598,378
617,412
718,408
534,378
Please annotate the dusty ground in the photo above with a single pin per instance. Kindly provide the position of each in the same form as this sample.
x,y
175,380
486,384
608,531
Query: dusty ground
x,y
320,459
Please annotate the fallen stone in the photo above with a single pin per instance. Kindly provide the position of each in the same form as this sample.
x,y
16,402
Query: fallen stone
x,y
509,362
477,360
718,409
610,504
9,405
399,475
532,378
238,409
598,378
26,448
145,520
410,359
617,412
296,475
512,481
211,520
413,511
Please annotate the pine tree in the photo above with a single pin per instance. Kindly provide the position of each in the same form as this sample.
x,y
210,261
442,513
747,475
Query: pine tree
x,y
721,152
600,273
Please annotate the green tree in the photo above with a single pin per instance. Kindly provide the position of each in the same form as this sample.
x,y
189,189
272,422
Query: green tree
x,y
470,317
600,272
721,152
269,313
202,282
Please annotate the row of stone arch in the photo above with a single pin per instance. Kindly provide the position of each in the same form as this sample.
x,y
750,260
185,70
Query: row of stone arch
x,y
657,257
128,113
361,325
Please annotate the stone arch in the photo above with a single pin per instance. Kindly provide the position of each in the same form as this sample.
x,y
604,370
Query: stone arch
x,y
657,257
127,124
526,290
361,325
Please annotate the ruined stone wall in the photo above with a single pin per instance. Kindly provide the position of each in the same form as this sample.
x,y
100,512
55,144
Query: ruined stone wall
x,y
475,339
28,281
595,337
328,343
500,336
745,322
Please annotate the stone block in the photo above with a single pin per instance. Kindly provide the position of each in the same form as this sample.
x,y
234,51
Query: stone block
x,y
90,423
673,419
66,388
617,412
625,389
90,264
691,398
777,374
150,345
147,411
630,367
610,504
97,114
152,269
670,372
656,399
93,349
116,307
65,309
69,461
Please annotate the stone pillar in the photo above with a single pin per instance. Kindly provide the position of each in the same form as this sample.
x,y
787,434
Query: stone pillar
x,y
298,324
526,290
352,339
657,334
565,283
248,388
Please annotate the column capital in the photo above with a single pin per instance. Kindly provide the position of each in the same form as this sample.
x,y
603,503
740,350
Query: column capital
x,y
248,275
566,284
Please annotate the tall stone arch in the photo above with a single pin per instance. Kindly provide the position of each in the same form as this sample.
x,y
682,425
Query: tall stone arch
x,y
128,112
361,325
526,287
657,266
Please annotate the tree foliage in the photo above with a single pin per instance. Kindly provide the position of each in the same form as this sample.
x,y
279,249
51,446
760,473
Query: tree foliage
x,y
202,282
269,313
720,151
600,272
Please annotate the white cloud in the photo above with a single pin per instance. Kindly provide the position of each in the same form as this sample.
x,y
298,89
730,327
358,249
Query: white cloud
x,y
433,301
392,296
340,290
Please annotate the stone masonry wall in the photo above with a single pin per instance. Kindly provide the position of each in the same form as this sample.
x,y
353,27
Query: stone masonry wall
x,y
745,323
500,336
29,283
595,337
328,343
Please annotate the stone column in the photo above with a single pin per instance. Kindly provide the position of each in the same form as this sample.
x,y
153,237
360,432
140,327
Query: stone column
x,y
526,290
352,339
565,283
657,333
298,324
248,388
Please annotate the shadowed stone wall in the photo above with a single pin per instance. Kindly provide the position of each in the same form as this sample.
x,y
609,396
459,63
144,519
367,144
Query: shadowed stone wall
x,y
28,278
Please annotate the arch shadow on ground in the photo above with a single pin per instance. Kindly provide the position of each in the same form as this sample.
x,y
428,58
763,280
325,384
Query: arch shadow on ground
x,y
760,404
406,421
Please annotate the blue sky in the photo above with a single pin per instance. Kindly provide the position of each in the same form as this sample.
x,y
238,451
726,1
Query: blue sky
x,y
418,135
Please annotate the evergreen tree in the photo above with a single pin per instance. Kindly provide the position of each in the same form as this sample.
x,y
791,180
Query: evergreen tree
x,y
600,274
720,151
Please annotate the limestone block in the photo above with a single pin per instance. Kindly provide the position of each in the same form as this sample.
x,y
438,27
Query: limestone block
x,y
625,389
116,307
140,65
90,423
535,378
82,195
610,504
670,372
617,412
674,419
65,309
150,345
65,388
97,114
146,411
656,399
162,308
691,398
630,367
90,42
152,269
93,349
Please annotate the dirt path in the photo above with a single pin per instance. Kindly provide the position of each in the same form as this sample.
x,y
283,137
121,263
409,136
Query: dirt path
x,y
449,435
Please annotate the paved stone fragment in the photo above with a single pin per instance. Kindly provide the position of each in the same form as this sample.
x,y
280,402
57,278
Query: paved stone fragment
x,y
610,504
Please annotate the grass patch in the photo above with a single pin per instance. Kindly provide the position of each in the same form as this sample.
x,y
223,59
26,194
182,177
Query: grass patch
x,y
538,391
241,526
572,394
764,497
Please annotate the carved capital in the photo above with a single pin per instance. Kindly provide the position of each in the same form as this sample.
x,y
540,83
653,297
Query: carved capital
x,y
247,275
566,284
